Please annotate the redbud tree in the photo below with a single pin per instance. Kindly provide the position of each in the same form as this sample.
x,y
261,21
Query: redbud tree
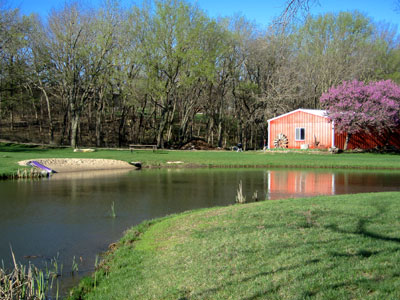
x,y
355,106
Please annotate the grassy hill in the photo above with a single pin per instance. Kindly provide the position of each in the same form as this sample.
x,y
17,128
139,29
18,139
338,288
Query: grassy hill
x,y
336,247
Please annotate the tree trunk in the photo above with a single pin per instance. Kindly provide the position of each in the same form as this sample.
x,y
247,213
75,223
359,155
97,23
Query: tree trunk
x,y
12,119
65,127
161,128
139,135
220,133
388,135
89,115
98,128
210,130
121,127
99,117
170,121
49,115
184,128
74,129
346,143
40,121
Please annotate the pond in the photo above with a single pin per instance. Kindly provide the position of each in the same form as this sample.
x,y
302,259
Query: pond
x,y
69,215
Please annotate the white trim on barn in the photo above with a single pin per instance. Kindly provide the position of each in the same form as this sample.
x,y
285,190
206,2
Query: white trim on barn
x,y
316,112
269,137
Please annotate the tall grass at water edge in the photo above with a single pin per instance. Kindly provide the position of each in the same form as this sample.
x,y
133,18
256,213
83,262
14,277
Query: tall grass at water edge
x,y
28,282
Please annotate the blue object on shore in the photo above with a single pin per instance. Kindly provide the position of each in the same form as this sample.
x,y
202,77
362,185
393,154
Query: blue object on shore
x,y
36,164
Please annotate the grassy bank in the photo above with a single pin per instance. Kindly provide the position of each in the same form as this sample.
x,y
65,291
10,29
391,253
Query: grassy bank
x,y
338,247
10,154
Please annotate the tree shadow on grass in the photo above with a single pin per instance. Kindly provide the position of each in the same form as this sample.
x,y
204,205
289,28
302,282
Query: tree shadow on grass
x,y
363,231
363,253
203,294
8,147
366,284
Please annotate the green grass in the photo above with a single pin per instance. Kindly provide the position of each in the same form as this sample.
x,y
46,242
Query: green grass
x,y
332,247
10,154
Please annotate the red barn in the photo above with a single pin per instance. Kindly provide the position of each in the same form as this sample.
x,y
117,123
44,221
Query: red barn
x,y
311,128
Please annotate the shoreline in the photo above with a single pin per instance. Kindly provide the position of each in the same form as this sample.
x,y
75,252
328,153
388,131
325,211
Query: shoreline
x,y
67,161
68,167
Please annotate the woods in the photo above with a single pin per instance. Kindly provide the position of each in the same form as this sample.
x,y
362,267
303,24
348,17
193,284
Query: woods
x,y
167,73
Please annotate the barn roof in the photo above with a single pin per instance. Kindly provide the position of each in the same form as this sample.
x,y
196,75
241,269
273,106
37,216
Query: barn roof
x,y
317,112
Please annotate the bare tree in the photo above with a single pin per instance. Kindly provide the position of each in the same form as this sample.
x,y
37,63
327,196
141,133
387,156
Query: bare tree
x,y
79,43
292,8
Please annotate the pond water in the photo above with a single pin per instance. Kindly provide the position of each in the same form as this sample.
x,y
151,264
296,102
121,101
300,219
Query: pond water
x,y
69,215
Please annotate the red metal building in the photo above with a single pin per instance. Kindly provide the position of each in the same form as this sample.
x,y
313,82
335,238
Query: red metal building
x,y
311,128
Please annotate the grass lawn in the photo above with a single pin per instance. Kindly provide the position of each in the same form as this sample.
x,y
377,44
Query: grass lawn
x,y
10,154
333,247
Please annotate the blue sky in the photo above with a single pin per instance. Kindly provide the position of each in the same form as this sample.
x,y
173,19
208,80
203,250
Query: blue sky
x,y
260,11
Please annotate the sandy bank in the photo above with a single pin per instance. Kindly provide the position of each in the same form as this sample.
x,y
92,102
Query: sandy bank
x,y
62,165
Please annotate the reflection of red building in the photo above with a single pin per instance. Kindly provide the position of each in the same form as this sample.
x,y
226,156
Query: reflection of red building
x,y
311,128
286,184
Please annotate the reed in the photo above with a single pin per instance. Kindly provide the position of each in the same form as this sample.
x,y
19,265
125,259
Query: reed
x,y
24,282
96,264
113,215
255,196
29,174
74,267
240,198
55,269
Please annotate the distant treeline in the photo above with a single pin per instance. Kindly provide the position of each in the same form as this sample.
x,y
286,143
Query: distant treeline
x,y
166,73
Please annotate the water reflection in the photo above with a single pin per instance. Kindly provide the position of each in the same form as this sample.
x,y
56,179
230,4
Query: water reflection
x,y
305,183
90,174
289,184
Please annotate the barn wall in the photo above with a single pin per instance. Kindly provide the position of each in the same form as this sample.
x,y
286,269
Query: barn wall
x,y
365,140
316,129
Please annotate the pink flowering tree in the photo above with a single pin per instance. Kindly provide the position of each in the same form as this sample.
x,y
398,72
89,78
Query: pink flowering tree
x,y
356,106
